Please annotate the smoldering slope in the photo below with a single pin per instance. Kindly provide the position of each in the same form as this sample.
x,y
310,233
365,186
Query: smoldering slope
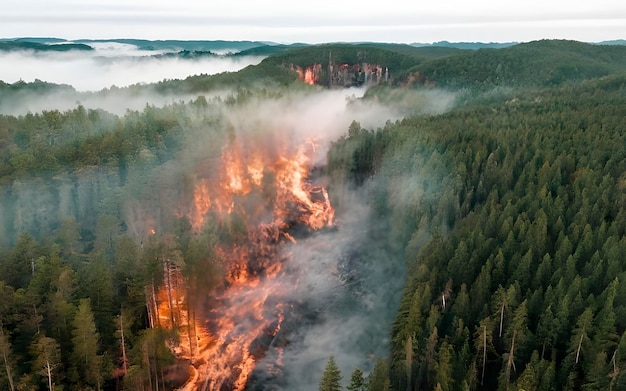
x,y
345,282
346,290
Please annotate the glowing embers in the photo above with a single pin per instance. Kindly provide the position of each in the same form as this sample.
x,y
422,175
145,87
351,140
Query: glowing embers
x,y
235,328
245,320
309,75
265,185
202,203
263,190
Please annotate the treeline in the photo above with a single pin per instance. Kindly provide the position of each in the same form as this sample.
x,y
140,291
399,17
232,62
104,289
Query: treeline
x,y
512,215
53,141
377,380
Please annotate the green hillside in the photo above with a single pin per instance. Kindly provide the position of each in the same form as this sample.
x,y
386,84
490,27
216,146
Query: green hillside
x,y
533,64
538,63
42,47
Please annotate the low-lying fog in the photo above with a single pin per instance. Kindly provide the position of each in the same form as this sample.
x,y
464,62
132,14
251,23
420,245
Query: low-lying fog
x,y
111,64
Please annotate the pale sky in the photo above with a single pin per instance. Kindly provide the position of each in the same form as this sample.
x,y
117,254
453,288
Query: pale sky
x,y
317,21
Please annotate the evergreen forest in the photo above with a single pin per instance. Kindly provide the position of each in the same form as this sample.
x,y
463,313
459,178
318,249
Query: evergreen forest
x,y
505,207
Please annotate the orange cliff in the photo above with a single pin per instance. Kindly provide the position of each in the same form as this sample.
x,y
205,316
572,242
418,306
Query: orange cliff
x,y
343,75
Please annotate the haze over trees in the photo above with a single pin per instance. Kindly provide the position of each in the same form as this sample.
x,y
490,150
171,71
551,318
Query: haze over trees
x,y
508,211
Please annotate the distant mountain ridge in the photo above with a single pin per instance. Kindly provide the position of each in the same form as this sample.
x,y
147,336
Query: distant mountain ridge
x,y
141,44
496,45
613,42
42,47
180,45
263,48
467,45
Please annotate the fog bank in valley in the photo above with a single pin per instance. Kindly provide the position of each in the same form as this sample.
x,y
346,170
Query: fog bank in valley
x,y
111,64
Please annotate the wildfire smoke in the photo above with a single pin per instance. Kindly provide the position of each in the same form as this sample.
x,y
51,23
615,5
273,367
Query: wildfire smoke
x,y
270,190
281,262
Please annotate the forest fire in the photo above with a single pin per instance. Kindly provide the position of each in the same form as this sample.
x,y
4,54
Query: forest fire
x,y
269,190
310,75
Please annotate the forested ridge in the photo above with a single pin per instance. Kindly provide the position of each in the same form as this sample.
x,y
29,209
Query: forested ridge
x,y
514,226
537,64
534,64
509,210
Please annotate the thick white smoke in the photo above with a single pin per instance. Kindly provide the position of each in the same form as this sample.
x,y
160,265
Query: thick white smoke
x,y
344,283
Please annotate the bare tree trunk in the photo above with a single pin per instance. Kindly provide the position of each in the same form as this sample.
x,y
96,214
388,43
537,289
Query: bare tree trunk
x,y
510,363
615,372
5,356
580,343
168,286
511,355
501,319
49,369
482,379
123,344
149,306
157,320
409,361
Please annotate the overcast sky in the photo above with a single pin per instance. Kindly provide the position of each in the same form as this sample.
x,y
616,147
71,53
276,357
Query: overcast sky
x,y
317,21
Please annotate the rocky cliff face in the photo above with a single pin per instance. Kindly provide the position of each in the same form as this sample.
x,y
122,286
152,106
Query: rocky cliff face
x,y
343,75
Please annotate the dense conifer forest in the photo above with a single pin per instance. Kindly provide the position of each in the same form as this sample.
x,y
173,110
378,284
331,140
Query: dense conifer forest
x,y
508,211
514,261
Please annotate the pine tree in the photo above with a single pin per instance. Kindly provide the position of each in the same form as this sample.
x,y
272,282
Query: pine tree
x,y
443,366
47,363
85,340
331,378
483,344
379,377
357,381
517,333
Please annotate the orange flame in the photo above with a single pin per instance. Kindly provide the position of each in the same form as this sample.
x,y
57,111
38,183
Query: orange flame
x,y
309,75
270,189
202,203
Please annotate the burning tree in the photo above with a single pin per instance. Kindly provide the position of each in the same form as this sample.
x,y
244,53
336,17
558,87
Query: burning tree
x,y
246,206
